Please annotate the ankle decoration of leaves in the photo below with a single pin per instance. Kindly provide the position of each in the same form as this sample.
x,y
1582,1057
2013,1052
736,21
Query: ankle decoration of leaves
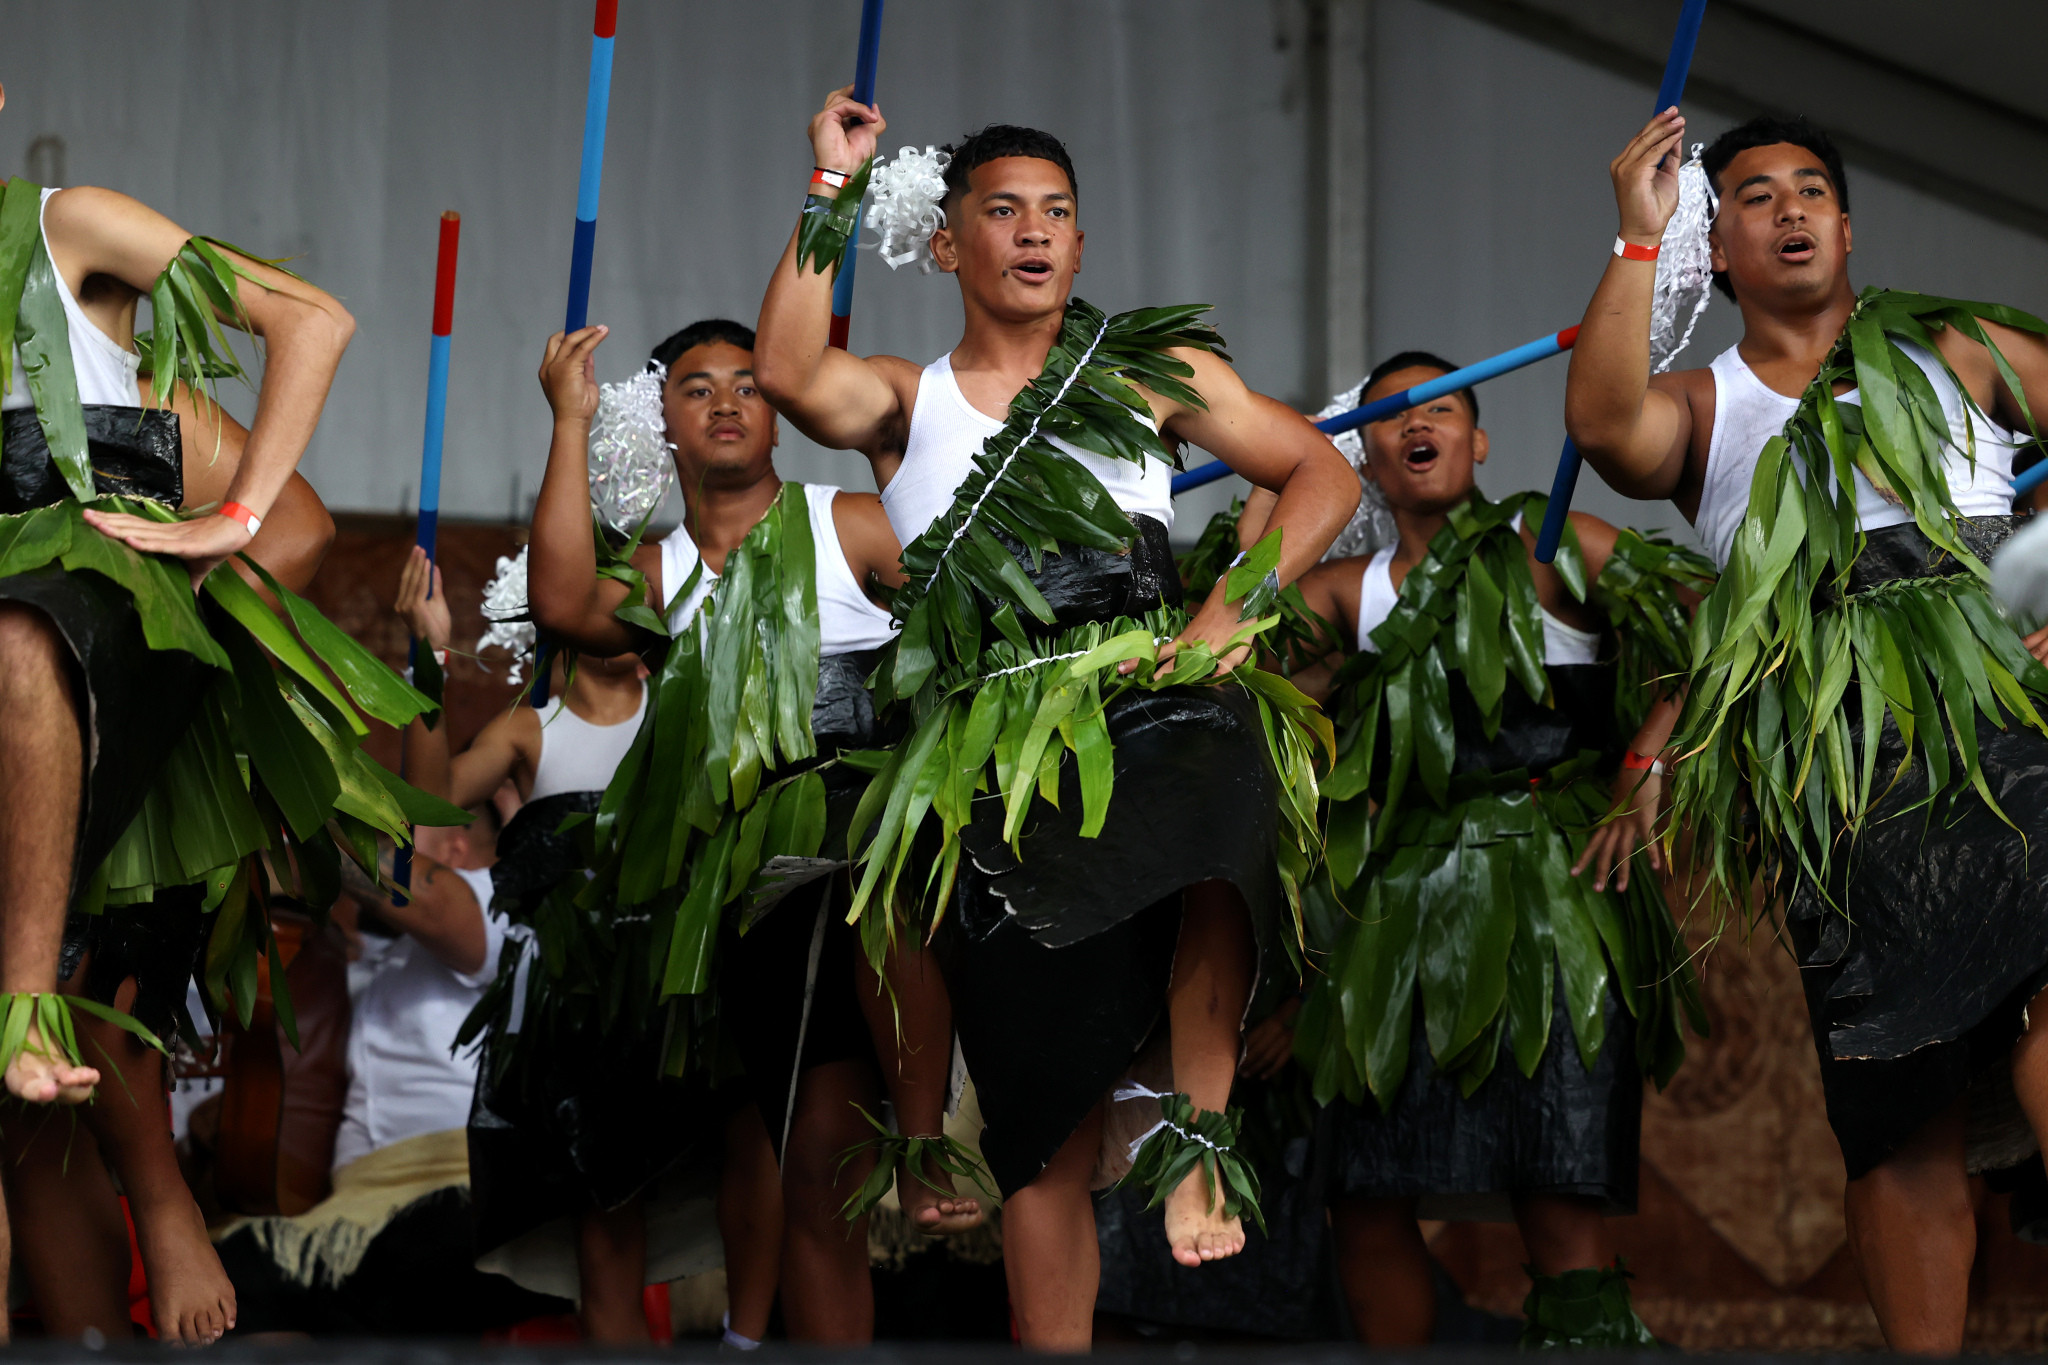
x,y
895,1153
1185,1138
827,225
49,1014
1583,1309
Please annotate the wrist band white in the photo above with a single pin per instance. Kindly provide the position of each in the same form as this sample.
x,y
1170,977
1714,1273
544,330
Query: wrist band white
x,y
234,511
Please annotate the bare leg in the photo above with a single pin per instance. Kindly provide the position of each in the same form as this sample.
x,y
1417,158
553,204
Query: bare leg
x,y
1212,984
74,1244
611,1268
914,1038
1914,1234
750,1222
827,1295
1563,1232
1385,1268
42,768
189,1294
1050,1256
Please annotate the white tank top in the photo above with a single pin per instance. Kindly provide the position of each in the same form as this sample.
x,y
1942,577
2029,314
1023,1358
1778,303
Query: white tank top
x,y
947,431
1562,643
106,373
1748,413
848,620
577,756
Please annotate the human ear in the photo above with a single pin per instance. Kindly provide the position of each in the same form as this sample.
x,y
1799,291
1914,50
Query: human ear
x,y
1848,237
1480,445
944,254
1080,242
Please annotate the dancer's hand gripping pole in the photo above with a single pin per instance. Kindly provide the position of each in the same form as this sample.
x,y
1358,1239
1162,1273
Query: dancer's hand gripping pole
x,y
865,61
1676,68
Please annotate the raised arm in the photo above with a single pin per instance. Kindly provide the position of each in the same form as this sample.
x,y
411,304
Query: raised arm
x,y
1278,449
441,912
837,399
304,331
568,599
1633,428
470,777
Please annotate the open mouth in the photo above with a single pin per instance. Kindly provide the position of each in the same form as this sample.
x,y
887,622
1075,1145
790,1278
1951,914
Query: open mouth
x,y
1797,247
1419,455
1036,269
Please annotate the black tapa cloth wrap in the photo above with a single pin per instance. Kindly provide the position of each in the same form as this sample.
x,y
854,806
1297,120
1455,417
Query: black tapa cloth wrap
x,y
1564,1130
133,702
1919,972
601,1124
1058,960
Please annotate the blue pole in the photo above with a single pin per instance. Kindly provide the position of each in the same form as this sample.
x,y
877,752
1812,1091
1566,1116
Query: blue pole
x,y
2027,482
866,58
1676,67
1528,353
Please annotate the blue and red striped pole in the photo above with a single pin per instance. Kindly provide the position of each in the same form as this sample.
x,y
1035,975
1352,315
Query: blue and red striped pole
x,y
865,61
430,445
1677,67
597,103
1528,353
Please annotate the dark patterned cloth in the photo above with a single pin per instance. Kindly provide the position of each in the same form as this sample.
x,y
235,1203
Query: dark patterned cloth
x,y
1920,959
1565,1130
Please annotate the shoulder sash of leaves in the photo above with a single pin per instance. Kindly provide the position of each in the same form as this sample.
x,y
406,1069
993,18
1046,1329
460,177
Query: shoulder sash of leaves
x,y
1775,669
1030,490
187,340
697,807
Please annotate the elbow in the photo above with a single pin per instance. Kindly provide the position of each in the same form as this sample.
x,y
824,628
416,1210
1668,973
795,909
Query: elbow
x,y
776,378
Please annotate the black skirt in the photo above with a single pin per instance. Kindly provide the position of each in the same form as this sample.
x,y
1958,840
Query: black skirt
x,y
133,702
1058,956
1919,963
1564,1130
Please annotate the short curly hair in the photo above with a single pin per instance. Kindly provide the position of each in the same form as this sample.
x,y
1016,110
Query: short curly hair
x,y
999,140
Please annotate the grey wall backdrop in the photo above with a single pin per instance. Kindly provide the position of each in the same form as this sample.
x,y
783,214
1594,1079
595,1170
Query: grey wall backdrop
x,y
1281,159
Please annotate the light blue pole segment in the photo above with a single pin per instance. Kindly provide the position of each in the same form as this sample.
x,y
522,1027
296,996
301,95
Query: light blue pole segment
x,y
591,179
430,447
2026,483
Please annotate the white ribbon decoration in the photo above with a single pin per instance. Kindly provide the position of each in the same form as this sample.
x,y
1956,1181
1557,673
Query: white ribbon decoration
x,y
521,936
1685,266
1372,525
630,455
905,208
1138,1090
504,597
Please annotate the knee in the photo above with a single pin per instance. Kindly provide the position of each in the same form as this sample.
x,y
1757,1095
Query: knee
x,y
29,644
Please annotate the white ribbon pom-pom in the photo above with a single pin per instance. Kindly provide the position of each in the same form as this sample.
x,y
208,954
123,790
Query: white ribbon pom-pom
x,y
1685,266
1372,525
504,613
630,456
2019,577
905,210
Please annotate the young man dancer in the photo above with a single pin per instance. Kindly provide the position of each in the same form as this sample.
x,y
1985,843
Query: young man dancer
x,y
781,1011
1503,1038
559,759
1058,946
1853,593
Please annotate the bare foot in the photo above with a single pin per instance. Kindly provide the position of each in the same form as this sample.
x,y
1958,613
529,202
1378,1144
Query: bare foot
x,y
41,1075
190,1296
1196,1227
936,1212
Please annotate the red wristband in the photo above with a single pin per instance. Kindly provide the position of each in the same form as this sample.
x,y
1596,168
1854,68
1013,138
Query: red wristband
x,y
1629,251
1636,762
828,183
234,511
